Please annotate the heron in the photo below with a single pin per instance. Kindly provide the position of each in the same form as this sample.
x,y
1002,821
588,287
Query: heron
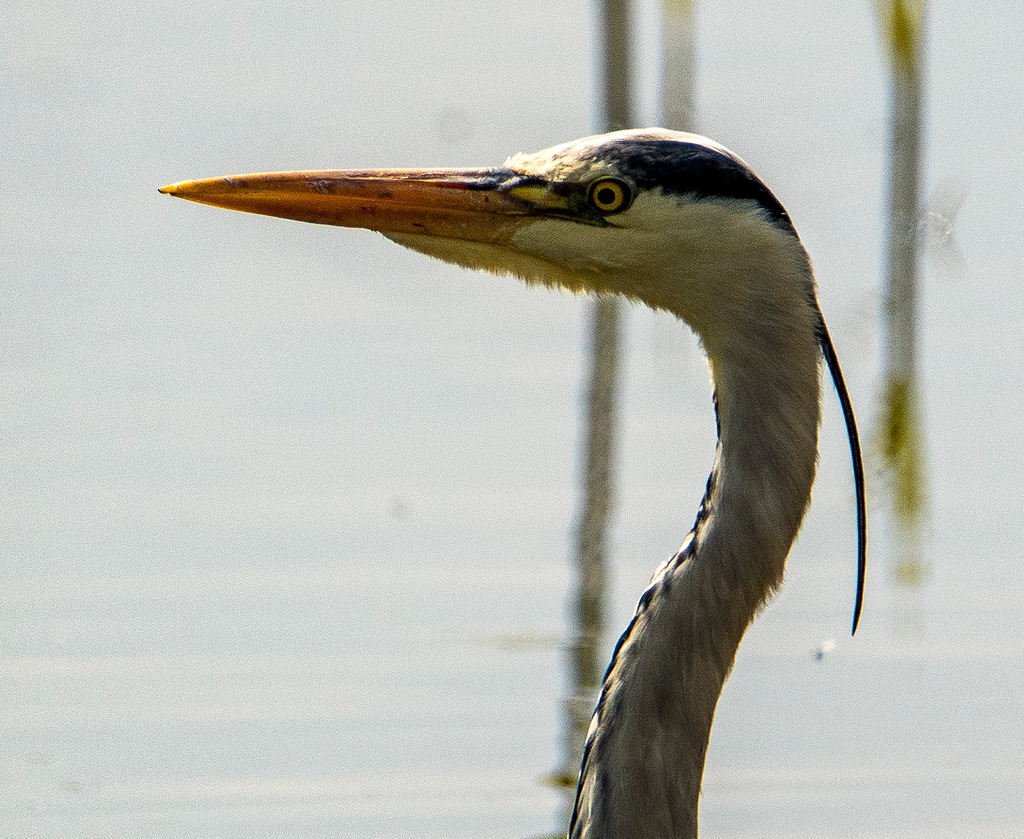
x,y
679,223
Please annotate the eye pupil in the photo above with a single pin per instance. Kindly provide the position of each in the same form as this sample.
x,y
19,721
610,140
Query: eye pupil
x,y
606,195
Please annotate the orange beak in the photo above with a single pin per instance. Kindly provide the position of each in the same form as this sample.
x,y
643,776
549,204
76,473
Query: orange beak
x,y
476,205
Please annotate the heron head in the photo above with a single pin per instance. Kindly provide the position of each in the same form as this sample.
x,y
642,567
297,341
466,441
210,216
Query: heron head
x,y
671,219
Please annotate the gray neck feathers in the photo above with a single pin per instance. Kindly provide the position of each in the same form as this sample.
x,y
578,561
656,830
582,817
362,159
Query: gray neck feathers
x,y
647,743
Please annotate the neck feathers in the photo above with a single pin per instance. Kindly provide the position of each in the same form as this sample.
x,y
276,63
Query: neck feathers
x,y
645,753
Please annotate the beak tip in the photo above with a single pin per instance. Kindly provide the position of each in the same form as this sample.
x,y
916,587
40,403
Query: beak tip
x,y
170,189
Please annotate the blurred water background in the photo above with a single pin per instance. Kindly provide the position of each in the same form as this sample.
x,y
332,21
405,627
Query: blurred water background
x,y
285,511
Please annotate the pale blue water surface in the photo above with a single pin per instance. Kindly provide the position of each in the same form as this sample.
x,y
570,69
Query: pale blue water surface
x,y
285,511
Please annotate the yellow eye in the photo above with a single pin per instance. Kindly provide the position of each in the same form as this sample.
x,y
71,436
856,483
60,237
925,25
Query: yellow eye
x,y
609,195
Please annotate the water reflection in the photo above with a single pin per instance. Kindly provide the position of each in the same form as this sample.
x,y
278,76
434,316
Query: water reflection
x,y
588,611
678,47
900,435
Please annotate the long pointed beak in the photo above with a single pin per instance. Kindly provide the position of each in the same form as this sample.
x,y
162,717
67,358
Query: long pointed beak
x,y
464,204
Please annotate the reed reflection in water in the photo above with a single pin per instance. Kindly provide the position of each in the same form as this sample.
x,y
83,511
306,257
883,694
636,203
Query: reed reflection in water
x,y
586,649
900,434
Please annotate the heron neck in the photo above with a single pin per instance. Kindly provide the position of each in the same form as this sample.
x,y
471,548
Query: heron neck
x,y
764,469
642,774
